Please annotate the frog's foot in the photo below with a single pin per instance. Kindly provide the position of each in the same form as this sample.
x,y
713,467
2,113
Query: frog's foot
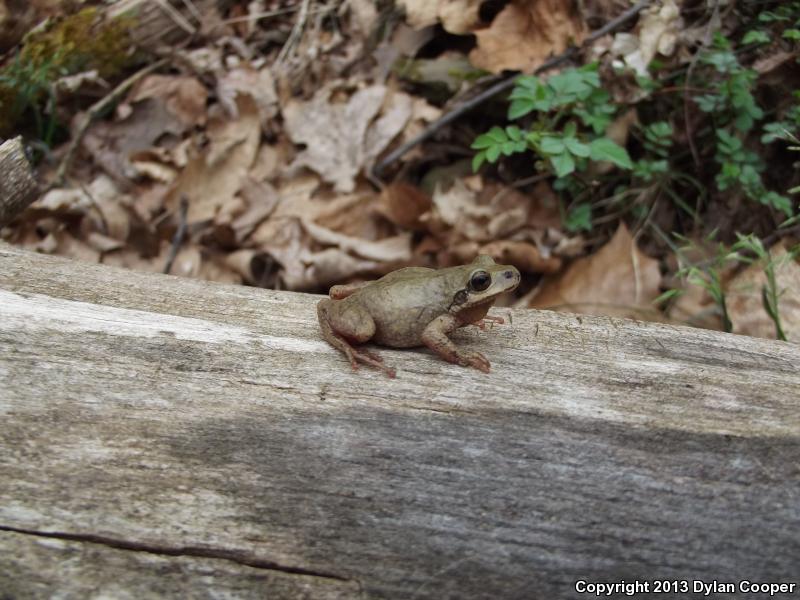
x,y
368,358
474,359
435,338
489,319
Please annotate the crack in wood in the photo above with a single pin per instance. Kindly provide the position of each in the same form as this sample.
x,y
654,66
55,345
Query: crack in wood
x,y
193,551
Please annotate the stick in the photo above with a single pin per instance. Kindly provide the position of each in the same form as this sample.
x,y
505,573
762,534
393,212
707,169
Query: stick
x,y
506,84
180,234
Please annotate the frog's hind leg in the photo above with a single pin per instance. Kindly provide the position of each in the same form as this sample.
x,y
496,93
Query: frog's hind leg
x,y
362,329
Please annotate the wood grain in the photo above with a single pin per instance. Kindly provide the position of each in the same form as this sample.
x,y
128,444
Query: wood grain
x,y
18,188
150,418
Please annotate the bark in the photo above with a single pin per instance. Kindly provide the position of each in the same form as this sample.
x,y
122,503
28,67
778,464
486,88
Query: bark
x,y
17,186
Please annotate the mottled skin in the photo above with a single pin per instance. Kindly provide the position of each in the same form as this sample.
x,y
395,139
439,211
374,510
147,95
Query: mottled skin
x,y
415,307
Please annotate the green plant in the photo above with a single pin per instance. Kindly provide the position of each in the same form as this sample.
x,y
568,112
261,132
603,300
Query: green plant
x,y
750,249
28,87
707,274
78,42
572,113
734,111
657,142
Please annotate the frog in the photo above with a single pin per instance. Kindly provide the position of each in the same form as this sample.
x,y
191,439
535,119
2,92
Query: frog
x,y
415,306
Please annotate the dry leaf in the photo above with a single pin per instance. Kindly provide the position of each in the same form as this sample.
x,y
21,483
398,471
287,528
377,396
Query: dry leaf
x,y
160,106
87,80
332,265
618,280
260,85
745,307
771,62
261,200
403,204
483,214
212,180
252,265
184,97
695,307
103,243
364,15
523,255
392,249
458,208
456,16
338,144
526,33
658,31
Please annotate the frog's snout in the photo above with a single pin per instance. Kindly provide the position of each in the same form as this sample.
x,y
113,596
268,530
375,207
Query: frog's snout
x,y
512,276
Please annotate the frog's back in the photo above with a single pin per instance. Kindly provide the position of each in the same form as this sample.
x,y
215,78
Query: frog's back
x,y
402,306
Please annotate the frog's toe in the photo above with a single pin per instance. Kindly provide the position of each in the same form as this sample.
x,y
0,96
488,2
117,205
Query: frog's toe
x,y
370,358
479,361
374,356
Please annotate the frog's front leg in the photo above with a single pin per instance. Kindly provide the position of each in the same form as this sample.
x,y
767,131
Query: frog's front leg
x,y
342,323
435,337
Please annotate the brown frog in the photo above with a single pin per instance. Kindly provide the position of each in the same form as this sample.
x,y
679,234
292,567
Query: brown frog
x,y
415,307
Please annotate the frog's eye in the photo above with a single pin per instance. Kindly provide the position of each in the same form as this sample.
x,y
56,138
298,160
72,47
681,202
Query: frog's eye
x,y
480,281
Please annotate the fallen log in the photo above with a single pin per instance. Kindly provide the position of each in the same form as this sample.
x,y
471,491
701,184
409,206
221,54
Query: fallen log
x,y
166,437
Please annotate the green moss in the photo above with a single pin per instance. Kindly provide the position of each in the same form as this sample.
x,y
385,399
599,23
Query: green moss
x,y
79,42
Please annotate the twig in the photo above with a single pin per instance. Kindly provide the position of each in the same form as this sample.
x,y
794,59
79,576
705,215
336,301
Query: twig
x,y
193,10
258,16
297,32
93,112
180,234
176,17
506,84
686,121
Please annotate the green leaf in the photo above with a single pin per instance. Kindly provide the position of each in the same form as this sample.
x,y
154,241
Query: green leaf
x,y
483,141
606,149
563,164
577,147
552,145
514,133
755,36
493,153
478,160
497,134
530,82
778,202
668,295
791,34
508,148
520,107
579,218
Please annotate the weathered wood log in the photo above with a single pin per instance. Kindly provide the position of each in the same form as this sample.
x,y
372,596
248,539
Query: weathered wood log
x,y
160,22
177,436
17,185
